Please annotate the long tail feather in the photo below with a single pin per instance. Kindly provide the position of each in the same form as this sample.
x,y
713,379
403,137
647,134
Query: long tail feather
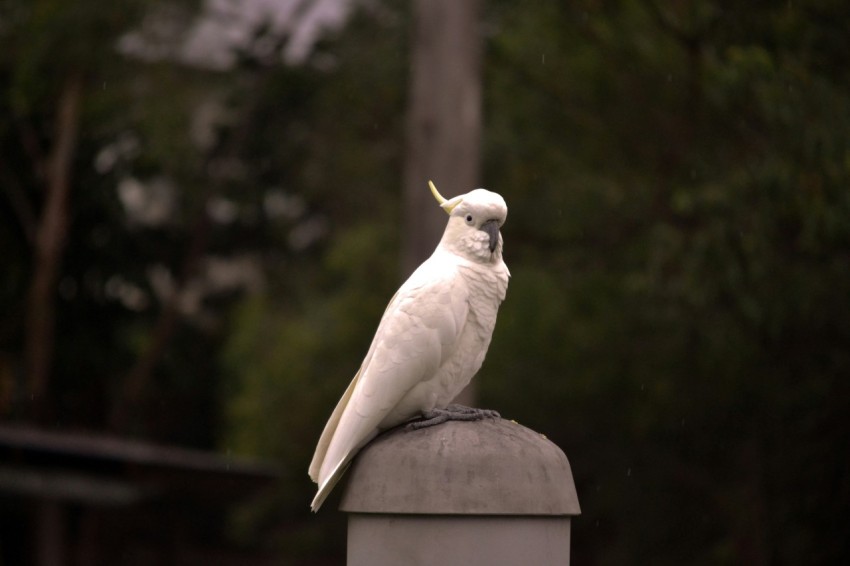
x,y
326,488
330,429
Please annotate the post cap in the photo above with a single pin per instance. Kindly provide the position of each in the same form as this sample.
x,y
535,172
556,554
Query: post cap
x,y
487,467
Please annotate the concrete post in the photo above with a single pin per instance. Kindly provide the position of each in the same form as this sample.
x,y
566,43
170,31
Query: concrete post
x,y
486,492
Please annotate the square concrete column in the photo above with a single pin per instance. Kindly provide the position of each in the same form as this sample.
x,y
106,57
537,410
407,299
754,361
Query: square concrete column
x,y
484,492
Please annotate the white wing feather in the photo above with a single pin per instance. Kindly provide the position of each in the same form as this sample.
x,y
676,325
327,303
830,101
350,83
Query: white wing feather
x,y
417,334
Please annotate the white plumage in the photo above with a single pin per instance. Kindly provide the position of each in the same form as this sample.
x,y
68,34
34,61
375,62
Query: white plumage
x,y
431,340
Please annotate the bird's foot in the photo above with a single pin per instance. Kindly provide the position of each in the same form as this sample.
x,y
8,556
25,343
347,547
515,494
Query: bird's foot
x,y
451,413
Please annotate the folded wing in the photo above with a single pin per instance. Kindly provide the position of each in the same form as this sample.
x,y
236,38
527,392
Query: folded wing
x,y
415,337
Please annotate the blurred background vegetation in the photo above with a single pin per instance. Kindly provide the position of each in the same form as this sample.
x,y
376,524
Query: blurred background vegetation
x,y
200,224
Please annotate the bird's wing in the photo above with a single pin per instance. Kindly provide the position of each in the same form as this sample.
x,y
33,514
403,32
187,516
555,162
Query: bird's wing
x,y
333,421
416,335
330,427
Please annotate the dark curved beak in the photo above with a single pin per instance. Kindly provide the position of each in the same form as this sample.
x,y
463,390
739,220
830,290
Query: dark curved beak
x,y
492,229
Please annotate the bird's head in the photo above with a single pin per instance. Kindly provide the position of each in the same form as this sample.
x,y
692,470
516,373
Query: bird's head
x,y
474,222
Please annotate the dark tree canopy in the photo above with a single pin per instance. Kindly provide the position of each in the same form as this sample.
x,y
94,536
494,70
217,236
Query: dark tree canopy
x,y
678,317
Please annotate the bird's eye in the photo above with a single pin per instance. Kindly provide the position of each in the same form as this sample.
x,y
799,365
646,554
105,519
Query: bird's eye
x,y
469,219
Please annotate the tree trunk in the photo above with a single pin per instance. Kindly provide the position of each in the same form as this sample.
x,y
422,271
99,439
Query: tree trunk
x,y
443,122
132,402
51,234
444,118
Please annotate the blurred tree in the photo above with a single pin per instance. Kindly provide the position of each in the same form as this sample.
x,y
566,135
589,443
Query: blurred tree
x,y
78,121
331,136
443,132
679,297
47,68
443,118
50,234
678,237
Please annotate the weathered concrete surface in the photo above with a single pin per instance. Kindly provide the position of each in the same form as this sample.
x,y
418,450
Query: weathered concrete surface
x,y
488,467
449,540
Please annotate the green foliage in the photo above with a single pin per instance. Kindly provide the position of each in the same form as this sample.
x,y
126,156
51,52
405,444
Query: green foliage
x,y
332,135
679,238
679,181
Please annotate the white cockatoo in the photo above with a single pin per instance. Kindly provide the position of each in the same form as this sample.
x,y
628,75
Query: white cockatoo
x,y
430,342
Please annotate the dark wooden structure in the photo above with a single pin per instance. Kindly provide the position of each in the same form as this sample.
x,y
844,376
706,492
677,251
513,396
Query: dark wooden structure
x,y
83,500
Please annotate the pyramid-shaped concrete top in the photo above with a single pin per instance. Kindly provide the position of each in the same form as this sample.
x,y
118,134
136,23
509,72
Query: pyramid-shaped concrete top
x,y
488,467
